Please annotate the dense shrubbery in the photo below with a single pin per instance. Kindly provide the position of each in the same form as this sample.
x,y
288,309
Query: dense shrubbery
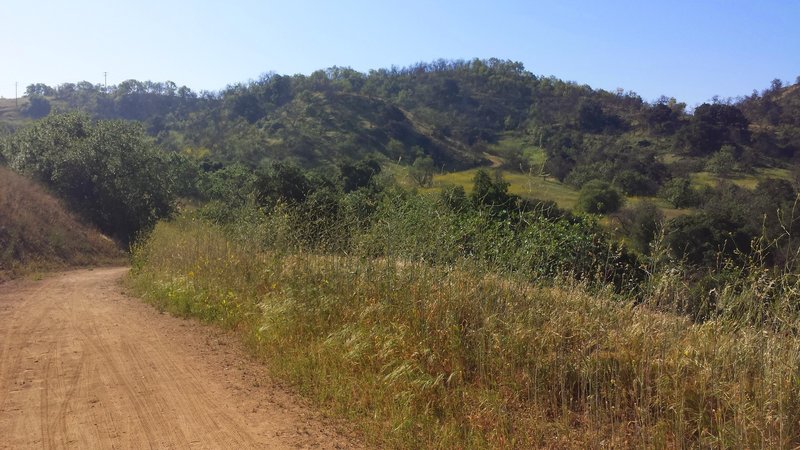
x,y
490,227
599,197
730,218
108,171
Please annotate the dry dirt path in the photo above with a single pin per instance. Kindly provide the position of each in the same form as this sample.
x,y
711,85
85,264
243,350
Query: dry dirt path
x,y
82,365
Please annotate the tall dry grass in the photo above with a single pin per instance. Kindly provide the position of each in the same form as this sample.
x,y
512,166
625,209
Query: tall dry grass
x,y
37,231
455,357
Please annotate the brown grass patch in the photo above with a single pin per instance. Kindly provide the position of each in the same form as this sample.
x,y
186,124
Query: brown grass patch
x,y
37,231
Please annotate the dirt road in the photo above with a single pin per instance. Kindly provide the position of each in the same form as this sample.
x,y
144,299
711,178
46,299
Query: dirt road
x,y
82,365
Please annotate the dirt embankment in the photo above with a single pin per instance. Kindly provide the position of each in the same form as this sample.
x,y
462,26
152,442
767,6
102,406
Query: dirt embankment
x,y
82,365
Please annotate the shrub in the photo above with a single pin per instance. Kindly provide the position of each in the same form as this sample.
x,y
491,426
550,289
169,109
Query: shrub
x,y
679,192
598,197
108,171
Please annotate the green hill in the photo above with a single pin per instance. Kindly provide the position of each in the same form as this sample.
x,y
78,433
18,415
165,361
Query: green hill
x,y
549,136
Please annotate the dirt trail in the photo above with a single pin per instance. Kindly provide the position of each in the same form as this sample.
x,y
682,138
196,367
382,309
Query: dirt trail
x,y
82,365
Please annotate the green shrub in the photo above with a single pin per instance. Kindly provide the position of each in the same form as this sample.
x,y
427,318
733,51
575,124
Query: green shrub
x,y
108,171
679,192
598,197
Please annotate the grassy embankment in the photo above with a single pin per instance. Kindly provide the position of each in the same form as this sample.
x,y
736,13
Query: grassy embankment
x,y
38,233
10,111
451,356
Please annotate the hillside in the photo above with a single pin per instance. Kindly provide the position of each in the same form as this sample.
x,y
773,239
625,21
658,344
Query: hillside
x,y
448,110
452,111
36,231
433,124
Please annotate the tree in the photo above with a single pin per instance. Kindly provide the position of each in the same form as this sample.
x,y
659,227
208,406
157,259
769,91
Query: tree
x,y
712,126
679,192
37,107
598,197
358,175
692,239
775,191
641,224
281,182
491,192
231,185
39,89
422,171
593,119
661,119
108,171
723,162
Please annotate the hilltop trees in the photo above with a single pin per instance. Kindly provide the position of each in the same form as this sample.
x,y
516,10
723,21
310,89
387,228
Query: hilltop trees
x,y
37,107
712,126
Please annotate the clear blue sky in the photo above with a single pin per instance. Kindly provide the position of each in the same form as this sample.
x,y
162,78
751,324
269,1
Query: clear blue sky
x,y
691,50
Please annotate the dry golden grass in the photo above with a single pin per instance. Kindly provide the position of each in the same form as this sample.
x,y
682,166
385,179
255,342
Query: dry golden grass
x,y
10,111
37,232
455,357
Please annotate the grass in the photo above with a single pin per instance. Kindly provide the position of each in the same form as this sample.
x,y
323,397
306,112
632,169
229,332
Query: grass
x,y
10,111
524,185
543,188
529,185
37,232
510,142
748,181
427,356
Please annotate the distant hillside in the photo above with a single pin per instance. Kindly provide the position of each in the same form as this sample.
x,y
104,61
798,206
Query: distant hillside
x,y
461,114
36,231
448,110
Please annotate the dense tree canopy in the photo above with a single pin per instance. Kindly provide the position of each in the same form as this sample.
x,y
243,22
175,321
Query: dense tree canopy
x,y
108,171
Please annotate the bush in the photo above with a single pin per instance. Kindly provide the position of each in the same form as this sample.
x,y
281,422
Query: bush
x,y
641,224
679,192
598,197
108,171
37,107
635,183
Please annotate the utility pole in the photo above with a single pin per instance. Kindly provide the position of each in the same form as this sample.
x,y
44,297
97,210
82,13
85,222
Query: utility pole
x,y
16,97
105,82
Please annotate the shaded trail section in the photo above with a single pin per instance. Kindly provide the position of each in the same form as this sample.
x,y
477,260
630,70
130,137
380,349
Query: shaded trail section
x,y
82,365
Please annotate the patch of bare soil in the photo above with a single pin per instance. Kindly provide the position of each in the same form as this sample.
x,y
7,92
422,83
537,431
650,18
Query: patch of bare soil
x,y
82,365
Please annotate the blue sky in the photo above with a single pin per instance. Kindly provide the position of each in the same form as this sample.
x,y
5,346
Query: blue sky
x,y
691,50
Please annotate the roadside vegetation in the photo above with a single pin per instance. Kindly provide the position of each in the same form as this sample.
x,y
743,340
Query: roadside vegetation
x,y
479,320
109,172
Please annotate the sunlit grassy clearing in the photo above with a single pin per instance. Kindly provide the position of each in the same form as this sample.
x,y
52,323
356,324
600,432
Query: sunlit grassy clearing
x,y
748,181
512,143
521,184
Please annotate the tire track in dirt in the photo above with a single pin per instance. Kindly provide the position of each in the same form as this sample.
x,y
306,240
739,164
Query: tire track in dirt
x,y
82,365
